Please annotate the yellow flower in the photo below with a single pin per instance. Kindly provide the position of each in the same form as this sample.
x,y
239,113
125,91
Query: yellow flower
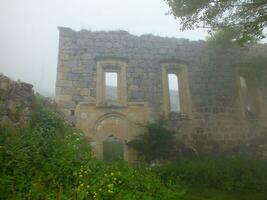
x,y
112,174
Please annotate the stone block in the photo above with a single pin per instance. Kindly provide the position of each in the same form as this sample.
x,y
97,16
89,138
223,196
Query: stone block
x,y
86,56
65,98
71,76
64,83
85,92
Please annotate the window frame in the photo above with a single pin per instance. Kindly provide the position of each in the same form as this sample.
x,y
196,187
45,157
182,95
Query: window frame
x,y
177,101
111,65
254,92
105,85
180,70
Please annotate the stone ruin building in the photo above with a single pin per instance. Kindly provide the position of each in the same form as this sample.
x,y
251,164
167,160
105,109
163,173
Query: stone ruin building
x,y
218,102
16,102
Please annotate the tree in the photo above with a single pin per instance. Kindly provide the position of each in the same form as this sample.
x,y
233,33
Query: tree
x,y
235,21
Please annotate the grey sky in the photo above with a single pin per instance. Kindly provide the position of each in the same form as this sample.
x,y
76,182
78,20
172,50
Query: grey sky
x,y
29,35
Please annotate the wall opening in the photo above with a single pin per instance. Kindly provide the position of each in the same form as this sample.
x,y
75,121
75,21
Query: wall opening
x,y
111,86
174,97
112,150
72,112
244,94
250,97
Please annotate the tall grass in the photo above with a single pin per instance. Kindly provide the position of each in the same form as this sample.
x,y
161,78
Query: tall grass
x,y
235,174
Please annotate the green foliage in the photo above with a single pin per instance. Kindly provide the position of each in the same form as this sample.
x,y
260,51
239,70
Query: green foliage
x,y
120,181
237,21
226,38
213,194
241,174
157,142
51,160
38,162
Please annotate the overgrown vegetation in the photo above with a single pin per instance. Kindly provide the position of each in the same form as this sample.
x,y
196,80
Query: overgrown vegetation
x,y
52,160
155,144
238,174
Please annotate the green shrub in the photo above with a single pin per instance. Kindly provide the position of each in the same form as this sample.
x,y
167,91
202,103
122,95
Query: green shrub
x,y
227,174
41,158
157,142
120,181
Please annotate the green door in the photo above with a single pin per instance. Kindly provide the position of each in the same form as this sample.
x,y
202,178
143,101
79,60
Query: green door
x,y
112,150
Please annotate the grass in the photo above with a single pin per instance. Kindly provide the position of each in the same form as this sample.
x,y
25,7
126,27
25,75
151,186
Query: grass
x,y
212,194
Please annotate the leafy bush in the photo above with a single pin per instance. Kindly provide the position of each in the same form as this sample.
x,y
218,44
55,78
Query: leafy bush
x,y
228,174
120,181
52,160
157,142
41,158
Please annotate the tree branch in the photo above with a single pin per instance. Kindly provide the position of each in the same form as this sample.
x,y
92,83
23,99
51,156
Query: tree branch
x,y
243,4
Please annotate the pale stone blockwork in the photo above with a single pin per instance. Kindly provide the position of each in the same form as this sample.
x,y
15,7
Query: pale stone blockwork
x,y
111,65
101,123
212,109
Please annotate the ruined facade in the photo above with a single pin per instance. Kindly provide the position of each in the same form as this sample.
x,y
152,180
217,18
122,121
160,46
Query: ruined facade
x,y
219,102
16,102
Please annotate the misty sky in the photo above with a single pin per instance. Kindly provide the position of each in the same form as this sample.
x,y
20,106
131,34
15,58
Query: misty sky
x,y
29,35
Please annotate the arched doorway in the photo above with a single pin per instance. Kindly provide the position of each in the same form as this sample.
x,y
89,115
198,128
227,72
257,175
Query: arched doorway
x,y
113,149
112,132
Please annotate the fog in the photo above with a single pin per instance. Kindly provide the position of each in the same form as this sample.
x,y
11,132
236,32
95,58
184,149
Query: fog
x,y
29,35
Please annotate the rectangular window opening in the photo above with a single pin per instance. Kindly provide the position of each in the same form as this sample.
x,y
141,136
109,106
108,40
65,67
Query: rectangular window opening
x,y
245,94
72,112
174,96
111,86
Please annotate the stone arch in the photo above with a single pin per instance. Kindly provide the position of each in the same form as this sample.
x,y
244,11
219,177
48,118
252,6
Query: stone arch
x,y
108,115
113,126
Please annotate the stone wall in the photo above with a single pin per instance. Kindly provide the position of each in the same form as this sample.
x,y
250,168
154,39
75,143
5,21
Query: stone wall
x,y
16,99
214,99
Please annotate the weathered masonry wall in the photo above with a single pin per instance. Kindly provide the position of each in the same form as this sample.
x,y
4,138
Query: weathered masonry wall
x,y
16,101
211,108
